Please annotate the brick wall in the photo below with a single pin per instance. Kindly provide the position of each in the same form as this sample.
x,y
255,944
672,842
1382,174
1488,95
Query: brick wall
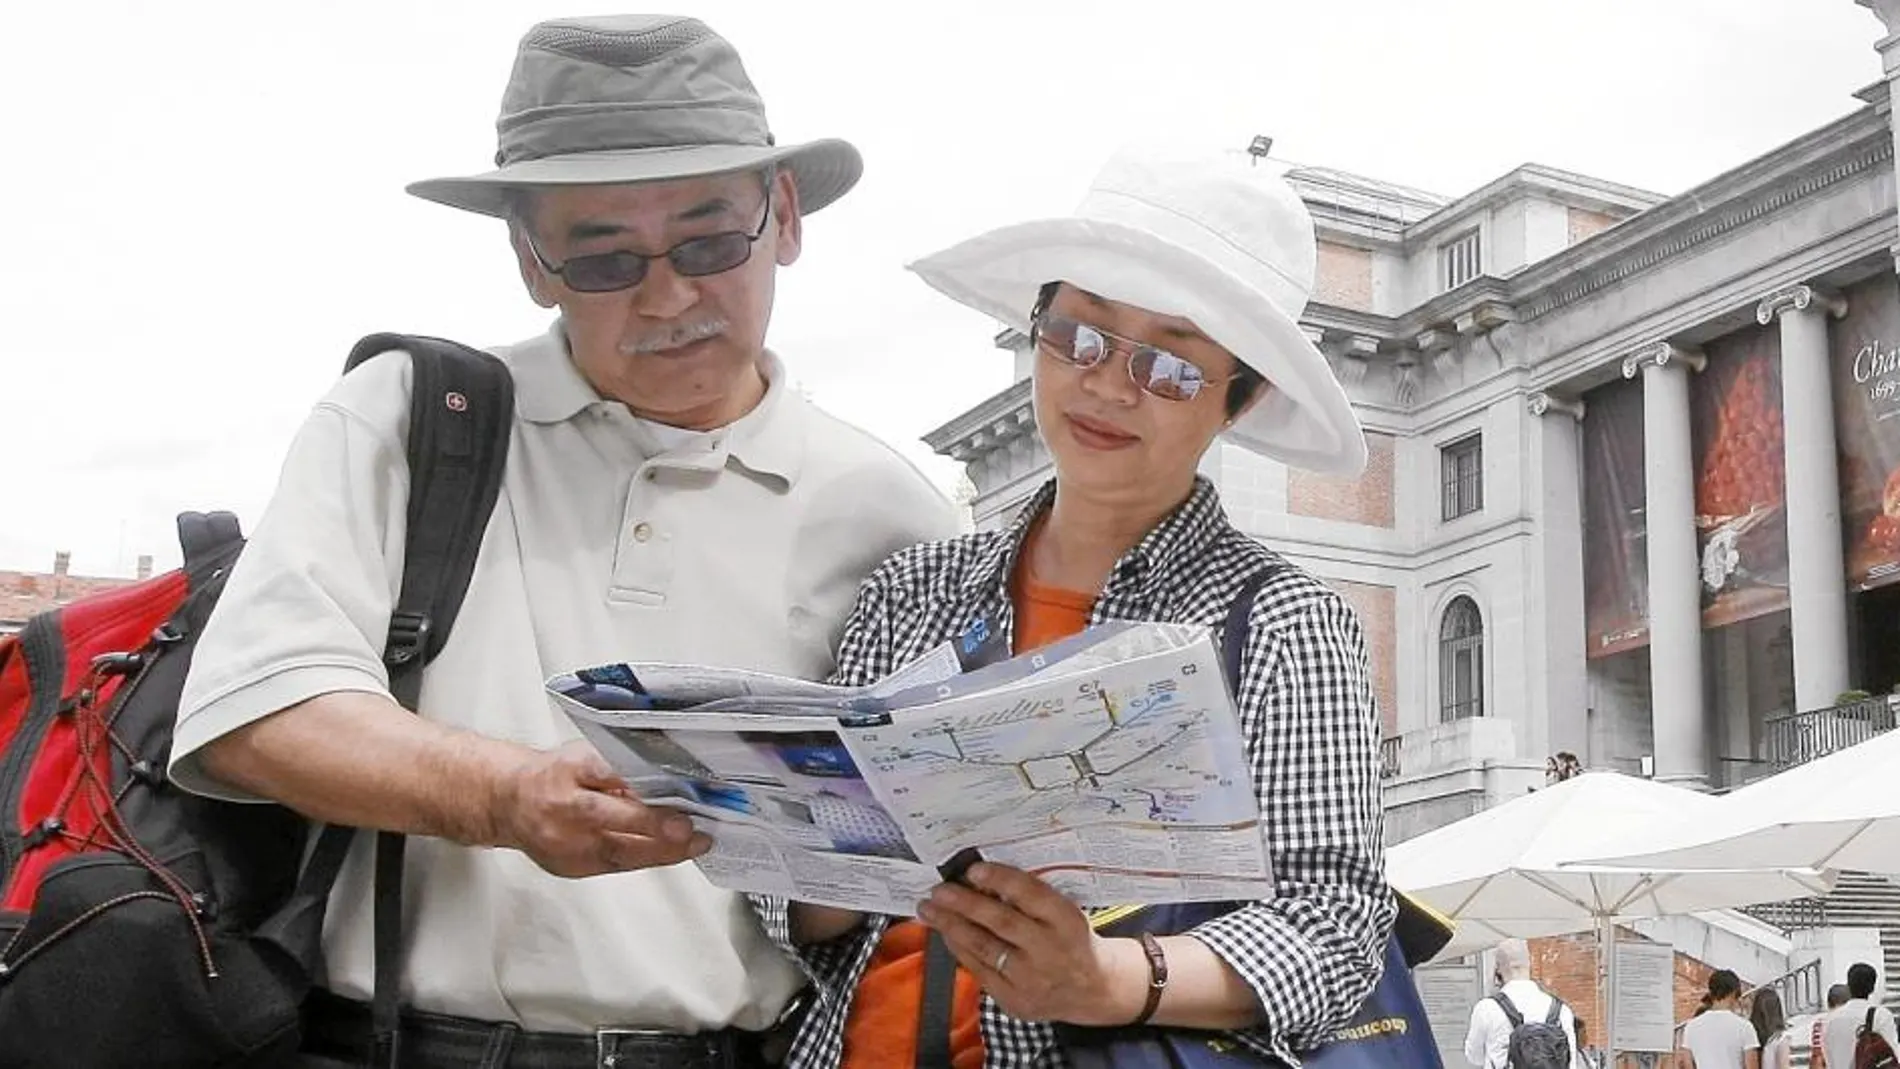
x,y
1365,500
1343,277
1567,966
24,595
1377,607
1584,224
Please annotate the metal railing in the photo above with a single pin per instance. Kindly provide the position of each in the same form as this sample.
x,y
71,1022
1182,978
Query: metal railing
x,y
1796,915
1801,990
1791,740
1389,757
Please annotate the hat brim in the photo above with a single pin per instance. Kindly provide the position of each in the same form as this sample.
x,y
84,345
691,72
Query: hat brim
x,y
1305,421
824,171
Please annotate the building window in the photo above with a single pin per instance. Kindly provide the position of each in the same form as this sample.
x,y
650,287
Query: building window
x,y
1462,465
1461,662
1462,258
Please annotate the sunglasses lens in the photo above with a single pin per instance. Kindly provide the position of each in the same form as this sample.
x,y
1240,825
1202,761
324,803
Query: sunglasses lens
x,y
711,254
604,273
1072,342
1164,374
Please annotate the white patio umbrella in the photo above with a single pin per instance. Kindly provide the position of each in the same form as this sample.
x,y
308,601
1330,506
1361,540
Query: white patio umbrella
x,y
1512,870
1841,811
1509,871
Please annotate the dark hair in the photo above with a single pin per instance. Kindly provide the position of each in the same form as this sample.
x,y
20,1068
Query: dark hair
x,y
1723,984
1240,388
1861,979
1837,996
1766,1015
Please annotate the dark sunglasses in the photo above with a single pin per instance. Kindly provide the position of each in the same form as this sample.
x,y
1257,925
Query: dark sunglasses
x,y
606,272
1155,370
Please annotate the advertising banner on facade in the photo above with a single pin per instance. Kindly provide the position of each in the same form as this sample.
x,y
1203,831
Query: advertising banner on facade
x,y
1865,351
1740,481
1615,571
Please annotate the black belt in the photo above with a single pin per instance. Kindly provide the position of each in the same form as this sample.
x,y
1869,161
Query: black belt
x,y
337,1027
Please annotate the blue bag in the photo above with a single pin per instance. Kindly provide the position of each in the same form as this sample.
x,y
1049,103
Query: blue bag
x,y
1390,1031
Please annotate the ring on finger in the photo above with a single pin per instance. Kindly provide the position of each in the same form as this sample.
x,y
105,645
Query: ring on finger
x,y
1002,961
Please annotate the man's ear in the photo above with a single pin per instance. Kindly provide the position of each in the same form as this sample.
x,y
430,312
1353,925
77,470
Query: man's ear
x,y
787,217
540,286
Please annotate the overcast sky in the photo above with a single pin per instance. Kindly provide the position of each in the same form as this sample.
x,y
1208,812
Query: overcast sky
x,y
205,208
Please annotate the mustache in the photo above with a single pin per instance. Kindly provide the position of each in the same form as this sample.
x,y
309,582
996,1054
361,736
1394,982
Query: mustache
x,y
675,336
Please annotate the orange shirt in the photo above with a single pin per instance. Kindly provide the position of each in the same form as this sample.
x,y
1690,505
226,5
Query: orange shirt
x,y
881,1030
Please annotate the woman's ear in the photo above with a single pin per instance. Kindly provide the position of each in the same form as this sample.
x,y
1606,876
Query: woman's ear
x,y
1258,394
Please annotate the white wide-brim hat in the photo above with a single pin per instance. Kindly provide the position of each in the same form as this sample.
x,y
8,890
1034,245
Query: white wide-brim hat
x,y
1227,245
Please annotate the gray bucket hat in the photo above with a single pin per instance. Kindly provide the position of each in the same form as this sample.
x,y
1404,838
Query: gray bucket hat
x,y
620,99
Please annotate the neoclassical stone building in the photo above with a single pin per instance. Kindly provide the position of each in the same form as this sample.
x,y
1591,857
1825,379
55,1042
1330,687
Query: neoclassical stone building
x,y
1635,480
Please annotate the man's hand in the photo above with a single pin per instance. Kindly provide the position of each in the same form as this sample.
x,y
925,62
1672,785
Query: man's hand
x,y
574,816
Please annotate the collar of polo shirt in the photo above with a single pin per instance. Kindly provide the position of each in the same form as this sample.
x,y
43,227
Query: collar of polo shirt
x,y
769,440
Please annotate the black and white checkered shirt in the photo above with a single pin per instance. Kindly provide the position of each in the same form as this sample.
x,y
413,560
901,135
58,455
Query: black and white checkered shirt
x,y
1313,952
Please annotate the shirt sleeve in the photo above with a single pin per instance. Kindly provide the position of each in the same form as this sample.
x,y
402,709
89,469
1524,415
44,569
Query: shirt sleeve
x,y
1478,1037
304,611
1313,953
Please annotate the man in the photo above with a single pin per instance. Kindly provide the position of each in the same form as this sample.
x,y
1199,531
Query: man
x,y
1817,1045
1844,1025
1488,1040
668,497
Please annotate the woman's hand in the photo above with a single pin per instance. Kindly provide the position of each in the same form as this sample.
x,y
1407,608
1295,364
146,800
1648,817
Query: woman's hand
x,y
1034,952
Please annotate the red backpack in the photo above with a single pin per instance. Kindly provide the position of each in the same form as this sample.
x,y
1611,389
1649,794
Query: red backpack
x,y
1871,1049
140,924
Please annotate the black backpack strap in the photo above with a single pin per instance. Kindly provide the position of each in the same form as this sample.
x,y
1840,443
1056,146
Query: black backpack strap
x,y
1510,1009
460,418
934,1010
1556,1014
1233,641
205,537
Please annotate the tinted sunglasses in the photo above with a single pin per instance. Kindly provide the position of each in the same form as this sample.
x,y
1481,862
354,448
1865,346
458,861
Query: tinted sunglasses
x,y
1155,370
606,272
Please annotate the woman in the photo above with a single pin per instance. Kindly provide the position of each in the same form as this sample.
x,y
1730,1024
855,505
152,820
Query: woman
x,y
1587,1057
1771,1027
1719,1037
1164,314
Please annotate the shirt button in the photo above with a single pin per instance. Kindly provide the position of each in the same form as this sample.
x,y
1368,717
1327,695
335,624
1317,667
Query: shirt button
x,y
652,474
642,531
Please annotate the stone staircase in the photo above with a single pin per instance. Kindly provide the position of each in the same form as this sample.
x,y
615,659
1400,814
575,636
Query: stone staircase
x,y
1859,900
1863,901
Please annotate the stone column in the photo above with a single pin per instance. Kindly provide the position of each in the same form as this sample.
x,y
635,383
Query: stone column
x,y
1817,570
1888,11
1556,609
1675,583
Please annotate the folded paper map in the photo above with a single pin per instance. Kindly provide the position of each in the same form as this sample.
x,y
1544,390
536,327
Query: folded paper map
x,y
1111,764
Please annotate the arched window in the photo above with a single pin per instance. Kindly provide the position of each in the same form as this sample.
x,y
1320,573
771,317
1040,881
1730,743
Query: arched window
x,y
1461,661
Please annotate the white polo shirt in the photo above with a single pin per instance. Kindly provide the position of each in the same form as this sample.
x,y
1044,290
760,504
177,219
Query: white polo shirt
x,y
740,547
